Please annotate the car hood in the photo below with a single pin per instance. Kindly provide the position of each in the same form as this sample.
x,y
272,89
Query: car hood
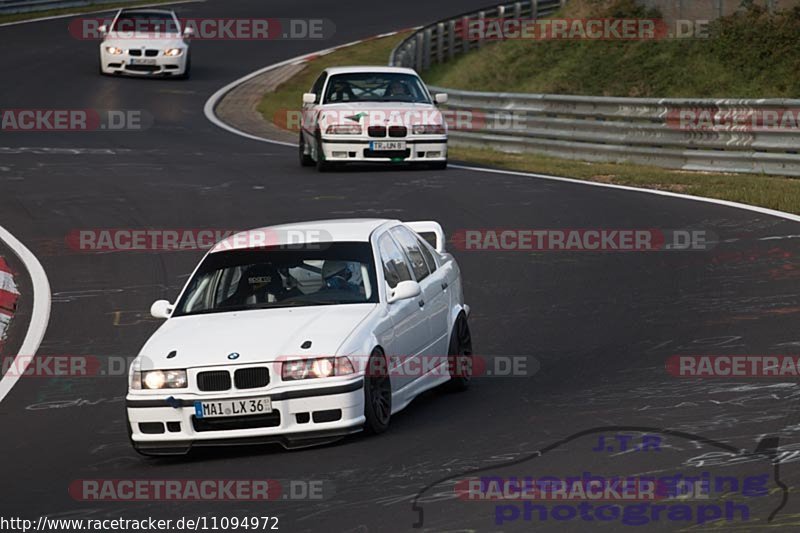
x,y
380,113
263,335
144,40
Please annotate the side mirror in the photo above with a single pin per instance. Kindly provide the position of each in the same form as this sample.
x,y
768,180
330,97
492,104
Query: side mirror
x,y
309,98
441,98
188,32
161,309
404,291
103,30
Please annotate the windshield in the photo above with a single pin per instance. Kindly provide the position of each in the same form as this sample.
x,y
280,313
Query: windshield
x,y
294,276
372,87
145,22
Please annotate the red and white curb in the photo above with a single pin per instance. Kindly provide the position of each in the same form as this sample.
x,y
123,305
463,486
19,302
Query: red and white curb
x,y
9,294
40,312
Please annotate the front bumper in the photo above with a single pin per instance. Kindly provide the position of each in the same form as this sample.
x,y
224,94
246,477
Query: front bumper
x,y
341,148
300,417
161,65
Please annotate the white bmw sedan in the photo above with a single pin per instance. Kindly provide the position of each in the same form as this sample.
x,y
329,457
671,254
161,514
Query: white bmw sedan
x,y
372,115
301,334
145,42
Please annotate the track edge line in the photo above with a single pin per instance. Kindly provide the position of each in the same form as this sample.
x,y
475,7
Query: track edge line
x,y
40,315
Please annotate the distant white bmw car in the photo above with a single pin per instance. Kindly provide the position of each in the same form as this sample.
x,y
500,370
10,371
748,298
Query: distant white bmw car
x,y
372,114
145,42
300,334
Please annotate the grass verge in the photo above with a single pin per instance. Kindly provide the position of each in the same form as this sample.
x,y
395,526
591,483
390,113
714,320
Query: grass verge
x,y
773,192
748,55
16,17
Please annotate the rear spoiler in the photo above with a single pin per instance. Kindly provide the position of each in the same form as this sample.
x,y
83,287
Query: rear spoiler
x,y
431,231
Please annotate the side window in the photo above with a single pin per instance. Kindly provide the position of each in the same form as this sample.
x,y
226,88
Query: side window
x,y
428,255
395,269
317,88
408,241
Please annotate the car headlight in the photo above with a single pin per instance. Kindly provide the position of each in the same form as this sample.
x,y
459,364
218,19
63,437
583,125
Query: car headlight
x,y
159,379
114,51
323,367
344,129
428,129
173,52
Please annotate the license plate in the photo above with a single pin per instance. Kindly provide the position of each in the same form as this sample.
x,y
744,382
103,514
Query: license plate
x,y
143,61
387,145
220,408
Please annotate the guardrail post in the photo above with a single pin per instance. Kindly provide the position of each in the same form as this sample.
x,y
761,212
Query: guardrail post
x,y
501,12
534,9
517,10
482,18
464,34
427,50
417,52
398,59
451,39
440,42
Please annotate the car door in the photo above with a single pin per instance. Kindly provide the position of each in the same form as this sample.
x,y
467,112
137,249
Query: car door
x,y
410,332
435,300
441,274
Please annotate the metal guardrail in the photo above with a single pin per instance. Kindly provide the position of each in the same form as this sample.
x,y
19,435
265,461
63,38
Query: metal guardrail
x,y
603,129
9,7
442,40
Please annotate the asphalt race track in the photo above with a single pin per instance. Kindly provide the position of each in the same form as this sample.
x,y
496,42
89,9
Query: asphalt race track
x,y
601,325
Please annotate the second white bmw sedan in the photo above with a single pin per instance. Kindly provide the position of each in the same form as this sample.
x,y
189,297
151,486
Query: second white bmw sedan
x,y
145,42
372,115
301,334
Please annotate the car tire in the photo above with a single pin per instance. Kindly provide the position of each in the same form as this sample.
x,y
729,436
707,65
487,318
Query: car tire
x,y
322,164
305,159
460,356
377,394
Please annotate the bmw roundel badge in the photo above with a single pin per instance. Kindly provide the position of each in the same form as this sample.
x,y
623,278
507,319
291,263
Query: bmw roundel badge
x,y
233,356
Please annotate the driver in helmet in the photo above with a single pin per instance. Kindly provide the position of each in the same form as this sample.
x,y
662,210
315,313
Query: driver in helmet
x,y
398,88
261,283
342,275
